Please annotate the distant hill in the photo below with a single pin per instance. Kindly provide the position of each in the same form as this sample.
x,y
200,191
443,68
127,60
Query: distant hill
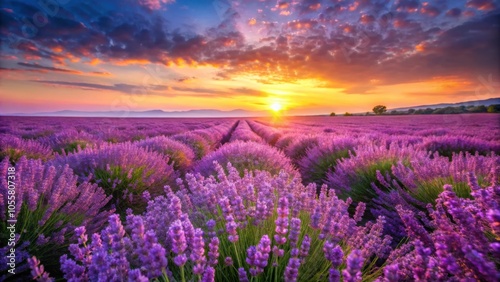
x,y
151,113
486,103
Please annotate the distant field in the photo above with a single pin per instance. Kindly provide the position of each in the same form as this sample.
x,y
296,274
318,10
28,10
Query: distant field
x,y
247,193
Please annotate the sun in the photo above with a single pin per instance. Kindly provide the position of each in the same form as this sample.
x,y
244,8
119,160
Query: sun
x,y
276,107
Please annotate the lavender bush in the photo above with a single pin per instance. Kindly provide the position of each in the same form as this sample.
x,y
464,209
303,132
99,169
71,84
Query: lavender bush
x,y
269,134
260,228
49,204
14,148
323,158
244,133
465,245
124,171
180,156
246,156
353,177
196,142
69,141
300,146
448,145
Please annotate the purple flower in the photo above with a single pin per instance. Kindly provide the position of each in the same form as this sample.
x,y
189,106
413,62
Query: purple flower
x,y
334,254
292,269
304,248
242,275
213,251
198,252
257,257
231,226
179,244
360,210
333,275
391,273
354,265
208,274
281,221
294,231
37,271
228,261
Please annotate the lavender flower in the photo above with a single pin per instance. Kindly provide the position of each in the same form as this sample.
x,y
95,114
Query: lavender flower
x,y
242,275
354,265
294,231
179,244
198,252
208,275
38,271
292,269
281,221
213,251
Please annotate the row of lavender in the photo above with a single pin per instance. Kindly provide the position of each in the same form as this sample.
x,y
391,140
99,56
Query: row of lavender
x,y
54,189
228,225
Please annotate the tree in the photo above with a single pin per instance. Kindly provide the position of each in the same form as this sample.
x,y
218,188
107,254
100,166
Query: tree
x,y
332,114
379,109
411,111
347,114
494,109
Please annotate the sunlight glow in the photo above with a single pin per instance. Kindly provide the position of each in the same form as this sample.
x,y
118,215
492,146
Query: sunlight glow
x,y
276,107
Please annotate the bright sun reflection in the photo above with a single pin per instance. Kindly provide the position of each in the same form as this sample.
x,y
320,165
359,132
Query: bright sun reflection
x,y
276,107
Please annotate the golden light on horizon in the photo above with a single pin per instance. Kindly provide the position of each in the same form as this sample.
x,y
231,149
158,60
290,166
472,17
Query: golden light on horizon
x,y
276,107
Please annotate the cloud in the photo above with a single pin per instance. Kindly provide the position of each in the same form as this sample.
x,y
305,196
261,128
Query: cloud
x,y
485,5
339,43
41,67
154,4
244,91
186,79
120,87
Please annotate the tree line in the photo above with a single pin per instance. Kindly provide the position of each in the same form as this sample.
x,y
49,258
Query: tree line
x,y
382,110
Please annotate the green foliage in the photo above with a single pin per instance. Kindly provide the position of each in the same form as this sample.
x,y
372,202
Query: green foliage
x,y
29,226
360,182
325,163
477,109
428,191
493,108
13,154
73,146
125,187
314,268
379,109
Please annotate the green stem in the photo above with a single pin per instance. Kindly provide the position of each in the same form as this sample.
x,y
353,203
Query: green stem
x,y
183,279
165,274
237,255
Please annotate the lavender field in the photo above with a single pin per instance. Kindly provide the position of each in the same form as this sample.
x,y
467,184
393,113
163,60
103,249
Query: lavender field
x,y
379,198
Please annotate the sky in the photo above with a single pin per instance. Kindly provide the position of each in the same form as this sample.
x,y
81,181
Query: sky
x,y
299,56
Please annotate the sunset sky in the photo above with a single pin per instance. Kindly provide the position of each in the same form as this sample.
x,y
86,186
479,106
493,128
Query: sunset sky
x,y
306,56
